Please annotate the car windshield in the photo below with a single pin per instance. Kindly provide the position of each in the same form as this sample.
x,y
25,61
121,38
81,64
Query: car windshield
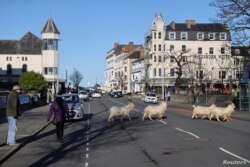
x,y
83,93
151,94
71,99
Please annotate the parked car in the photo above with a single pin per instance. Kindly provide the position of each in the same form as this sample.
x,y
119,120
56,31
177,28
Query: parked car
x,y
84,95
4,92
116,94
76,111
150,97
96,95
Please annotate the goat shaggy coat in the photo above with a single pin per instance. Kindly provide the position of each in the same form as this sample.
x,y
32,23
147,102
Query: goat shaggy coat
x,y
202,111
155,111
223,112
120,111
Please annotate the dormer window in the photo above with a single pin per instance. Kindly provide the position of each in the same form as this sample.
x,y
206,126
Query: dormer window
x,y
200,36
172,35
184,35
211,36
223,36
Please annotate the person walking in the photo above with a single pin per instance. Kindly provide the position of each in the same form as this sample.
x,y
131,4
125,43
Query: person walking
x,y
168,95
12,113
58,112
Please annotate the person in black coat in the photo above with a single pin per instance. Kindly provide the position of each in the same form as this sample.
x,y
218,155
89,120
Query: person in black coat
x,y
12,113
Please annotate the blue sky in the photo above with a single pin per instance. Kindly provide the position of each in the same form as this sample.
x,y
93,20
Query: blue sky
x,y
89,28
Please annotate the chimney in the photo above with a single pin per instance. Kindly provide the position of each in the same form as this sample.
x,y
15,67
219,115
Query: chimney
x,y
131,43
172,25
130,47
189,23
116,44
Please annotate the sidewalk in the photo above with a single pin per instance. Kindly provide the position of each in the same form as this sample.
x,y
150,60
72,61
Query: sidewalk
x,y
31,123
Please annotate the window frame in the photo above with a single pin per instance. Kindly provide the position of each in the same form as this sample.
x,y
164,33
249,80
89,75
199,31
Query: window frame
x,y
184,36
223,34
211,50
159,35
170,34
199,50
198,36
211,35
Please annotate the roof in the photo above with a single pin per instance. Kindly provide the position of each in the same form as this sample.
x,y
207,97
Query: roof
x,y
28,44
192,30
206,27
50,27
135,55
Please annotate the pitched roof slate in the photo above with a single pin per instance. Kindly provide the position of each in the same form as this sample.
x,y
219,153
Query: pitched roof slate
x,y
206,28
28,44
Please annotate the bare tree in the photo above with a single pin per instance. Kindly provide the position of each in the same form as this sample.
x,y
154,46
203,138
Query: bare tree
x,y
76,78
198,72
180,60
236,14
225,64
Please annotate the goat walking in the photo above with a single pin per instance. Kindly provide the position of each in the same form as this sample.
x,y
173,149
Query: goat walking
x,y
155,111
120,111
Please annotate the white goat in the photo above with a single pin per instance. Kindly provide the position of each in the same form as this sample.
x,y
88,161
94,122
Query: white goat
x,y
120,111
155,111
224,112
202,111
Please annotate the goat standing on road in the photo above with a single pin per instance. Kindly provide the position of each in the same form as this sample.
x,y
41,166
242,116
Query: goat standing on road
x,y
120,111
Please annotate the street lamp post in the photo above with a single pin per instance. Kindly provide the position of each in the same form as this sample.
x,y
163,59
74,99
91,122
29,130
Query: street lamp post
x,y
162,82
206,93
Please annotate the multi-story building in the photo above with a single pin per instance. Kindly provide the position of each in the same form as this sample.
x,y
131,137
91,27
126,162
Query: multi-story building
x,y
119,66
31,53
197,53
138,75
202,50
241,56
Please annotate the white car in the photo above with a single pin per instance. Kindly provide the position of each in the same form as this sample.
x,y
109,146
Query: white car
x,y
150,97
84,95
96,94
76,111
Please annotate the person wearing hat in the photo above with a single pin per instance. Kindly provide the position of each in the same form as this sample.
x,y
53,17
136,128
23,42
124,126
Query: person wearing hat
x,y
12,113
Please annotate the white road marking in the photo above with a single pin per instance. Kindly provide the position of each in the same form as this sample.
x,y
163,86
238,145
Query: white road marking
x,y
87,138
23,135
236,156
192,134
163,122
89,108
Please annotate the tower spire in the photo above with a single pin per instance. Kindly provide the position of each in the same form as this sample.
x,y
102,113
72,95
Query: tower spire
x,y
50,27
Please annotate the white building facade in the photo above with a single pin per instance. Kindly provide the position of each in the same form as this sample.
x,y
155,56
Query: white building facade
x,y
31,53
119,66
204,51
138,76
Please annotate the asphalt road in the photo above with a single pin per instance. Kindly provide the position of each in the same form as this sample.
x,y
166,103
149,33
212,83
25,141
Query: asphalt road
x,y
177,140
